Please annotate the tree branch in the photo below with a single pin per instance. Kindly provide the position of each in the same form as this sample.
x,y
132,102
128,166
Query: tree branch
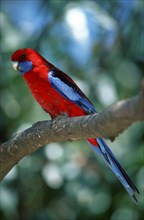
x,y
109,124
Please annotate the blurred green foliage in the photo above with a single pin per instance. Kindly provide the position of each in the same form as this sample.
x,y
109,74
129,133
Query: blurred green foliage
x,y
100,45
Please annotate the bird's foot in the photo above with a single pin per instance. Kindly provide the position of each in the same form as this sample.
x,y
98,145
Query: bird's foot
x,y
60,117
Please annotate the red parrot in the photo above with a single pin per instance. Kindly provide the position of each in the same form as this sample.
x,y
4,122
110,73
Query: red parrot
x,y
59,95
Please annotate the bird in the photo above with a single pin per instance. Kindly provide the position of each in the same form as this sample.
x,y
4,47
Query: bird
x,y
59,95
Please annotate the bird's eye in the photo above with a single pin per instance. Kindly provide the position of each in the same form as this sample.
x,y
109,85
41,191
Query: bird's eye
x,y
23,56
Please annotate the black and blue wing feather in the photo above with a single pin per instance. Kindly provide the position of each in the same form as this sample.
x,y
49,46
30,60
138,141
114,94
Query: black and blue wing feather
x,y
69,90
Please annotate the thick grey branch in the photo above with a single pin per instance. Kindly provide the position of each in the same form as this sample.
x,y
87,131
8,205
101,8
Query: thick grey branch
x,y
109,124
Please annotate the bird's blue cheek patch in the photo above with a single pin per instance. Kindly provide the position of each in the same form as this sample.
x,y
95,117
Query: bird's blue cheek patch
x,y
24,67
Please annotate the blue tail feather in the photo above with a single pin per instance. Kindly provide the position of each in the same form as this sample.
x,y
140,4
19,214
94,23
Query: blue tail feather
x,y
104,151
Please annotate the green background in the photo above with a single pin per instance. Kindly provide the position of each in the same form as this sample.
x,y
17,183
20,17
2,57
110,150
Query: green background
x,y
100,45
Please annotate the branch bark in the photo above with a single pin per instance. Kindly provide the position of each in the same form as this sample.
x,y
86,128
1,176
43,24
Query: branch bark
x,y
108,124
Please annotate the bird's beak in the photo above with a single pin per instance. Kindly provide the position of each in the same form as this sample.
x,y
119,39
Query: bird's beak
x,y
15,65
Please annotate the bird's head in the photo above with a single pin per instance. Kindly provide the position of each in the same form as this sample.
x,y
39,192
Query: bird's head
x,y
23,60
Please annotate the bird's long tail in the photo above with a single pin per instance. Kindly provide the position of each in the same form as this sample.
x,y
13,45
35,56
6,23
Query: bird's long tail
x,y
100,147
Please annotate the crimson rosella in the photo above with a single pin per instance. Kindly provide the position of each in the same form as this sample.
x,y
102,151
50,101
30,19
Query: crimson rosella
x,y
59,95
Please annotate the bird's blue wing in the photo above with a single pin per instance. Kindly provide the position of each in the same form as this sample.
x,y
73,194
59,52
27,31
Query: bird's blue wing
x,y
69,90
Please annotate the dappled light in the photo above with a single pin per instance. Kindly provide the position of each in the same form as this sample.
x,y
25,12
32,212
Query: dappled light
x,y
77,21
100,45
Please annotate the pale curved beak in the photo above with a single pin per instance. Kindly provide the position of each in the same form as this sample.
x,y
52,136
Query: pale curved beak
x,y
15,65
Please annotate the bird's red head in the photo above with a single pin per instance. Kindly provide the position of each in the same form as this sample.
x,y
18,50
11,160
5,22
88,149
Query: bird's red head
x,y
23,60
24,54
